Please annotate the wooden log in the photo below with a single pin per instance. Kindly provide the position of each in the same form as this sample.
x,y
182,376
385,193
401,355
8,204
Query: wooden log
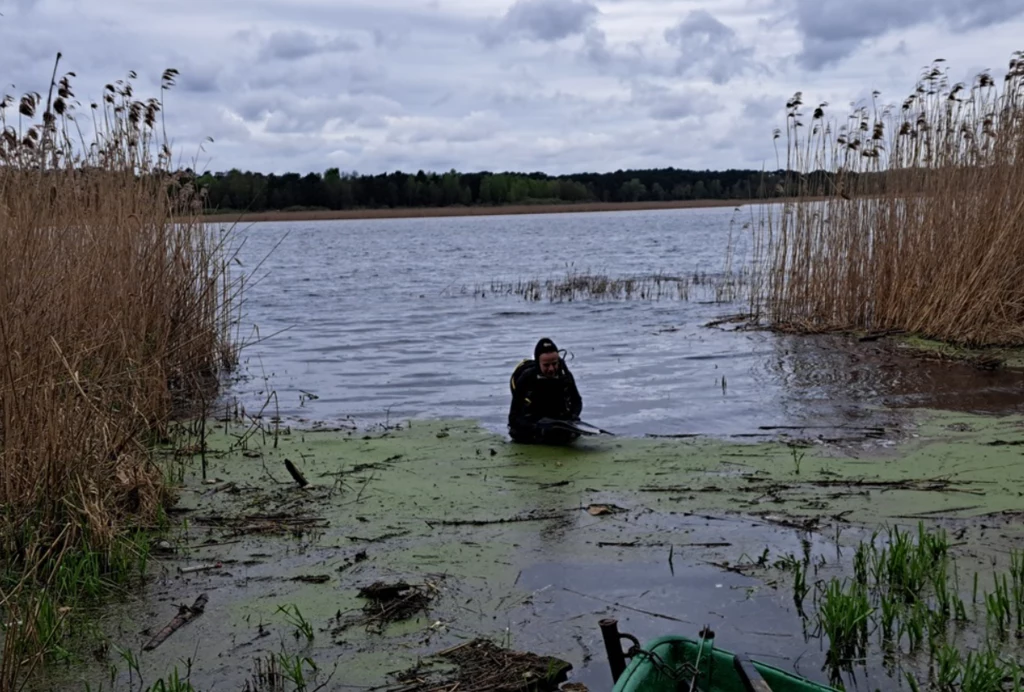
x,y
185,614
296,474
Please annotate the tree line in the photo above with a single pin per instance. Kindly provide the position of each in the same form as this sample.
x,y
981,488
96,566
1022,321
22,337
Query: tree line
x,y
236,190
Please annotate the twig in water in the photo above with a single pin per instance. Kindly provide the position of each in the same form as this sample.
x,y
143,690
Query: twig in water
x,y
185,614
505,520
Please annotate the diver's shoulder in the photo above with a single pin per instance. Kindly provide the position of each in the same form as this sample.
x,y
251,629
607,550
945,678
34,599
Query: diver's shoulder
x,y
526,368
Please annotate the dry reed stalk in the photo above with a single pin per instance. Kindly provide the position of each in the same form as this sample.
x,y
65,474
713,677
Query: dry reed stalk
x,y
922,226
113,316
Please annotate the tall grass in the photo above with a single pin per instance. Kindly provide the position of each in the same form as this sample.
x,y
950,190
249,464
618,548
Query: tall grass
x,y
114,299
922,223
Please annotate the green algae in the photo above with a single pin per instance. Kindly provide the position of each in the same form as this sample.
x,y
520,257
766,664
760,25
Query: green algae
x,y
453,504
991,356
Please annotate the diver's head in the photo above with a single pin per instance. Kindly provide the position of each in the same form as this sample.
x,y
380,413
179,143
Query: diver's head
x,y
546,355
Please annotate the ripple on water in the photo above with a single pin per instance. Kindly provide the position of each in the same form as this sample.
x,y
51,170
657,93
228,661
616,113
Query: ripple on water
x,y
393,325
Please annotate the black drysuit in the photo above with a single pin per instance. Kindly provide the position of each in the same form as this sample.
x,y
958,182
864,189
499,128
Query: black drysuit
x,y
535,397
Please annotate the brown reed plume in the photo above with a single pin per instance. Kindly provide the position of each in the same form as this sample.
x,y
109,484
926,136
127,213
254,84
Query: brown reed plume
x,y
114,308
922,225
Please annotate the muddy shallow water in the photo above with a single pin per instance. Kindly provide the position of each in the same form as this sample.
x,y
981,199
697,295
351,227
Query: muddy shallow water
x,y
531,547
391,319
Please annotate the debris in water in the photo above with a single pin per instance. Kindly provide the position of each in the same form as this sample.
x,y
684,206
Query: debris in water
x,y
387,603
200,568
185,614
600,510
276,523
529,516
295,473
378,539
312,578
355,559
482,666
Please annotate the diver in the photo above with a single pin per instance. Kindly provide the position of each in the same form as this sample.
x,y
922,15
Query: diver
x,y
543,393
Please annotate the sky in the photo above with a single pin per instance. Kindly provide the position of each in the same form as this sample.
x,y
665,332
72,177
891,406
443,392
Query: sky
x,y
559,86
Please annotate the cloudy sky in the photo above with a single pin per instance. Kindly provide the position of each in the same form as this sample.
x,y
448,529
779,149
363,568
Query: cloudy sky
x,y
553,85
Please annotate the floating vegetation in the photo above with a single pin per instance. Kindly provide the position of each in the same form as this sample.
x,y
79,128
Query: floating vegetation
x,y
387,603
483,666
576,285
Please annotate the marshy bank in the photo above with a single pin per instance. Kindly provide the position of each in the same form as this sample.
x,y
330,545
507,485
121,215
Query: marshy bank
x,y
385,548
113,319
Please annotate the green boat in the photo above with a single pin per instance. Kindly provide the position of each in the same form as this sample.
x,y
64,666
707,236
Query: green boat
x,y
680,664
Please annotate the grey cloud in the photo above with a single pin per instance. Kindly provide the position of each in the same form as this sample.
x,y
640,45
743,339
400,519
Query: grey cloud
x,y
707,46
475,127
371,122
832,30
625,61
763,108
199,78
290,114
566,88
664,103
595,47
542,20
25,6
296,44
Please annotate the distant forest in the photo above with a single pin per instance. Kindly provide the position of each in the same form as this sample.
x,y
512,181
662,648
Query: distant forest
x,y
334,189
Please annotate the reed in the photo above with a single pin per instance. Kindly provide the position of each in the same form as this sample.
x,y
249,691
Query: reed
x,y
576,285
906,217
115,303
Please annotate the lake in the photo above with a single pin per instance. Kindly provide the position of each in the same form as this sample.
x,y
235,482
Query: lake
x,y
389,319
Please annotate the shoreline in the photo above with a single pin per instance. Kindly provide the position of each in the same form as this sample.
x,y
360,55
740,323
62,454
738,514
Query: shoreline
x,y
492,210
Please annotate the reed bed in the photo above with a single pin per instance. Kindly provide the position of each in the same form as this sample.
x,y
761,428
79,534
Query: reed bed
x,y
578,285
114,311
921,223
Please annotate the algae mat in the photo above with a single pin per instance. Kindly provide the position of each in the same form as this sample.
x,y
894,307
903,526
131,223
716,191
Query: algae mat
x,y
529,546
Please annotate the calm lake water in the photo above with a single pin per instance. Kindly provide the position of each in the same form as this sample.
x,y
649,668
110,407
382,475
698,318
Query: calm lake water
x,y
396,319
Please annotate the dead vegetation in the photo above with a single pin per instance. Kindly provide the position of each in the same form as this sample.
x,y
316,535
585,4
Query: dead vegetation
x,y
114,314
390,602
586,285
483,666
280,523
922,228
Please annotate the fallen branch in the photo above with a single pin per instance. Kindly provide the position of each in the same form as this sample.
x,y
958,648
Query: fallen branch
x,y
312,578
296,474
378,539
925,485
506,520
185,614
637,544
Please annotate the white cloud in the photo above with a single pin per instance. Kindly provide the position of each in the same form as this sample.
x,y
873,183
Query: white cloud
x,y
559,85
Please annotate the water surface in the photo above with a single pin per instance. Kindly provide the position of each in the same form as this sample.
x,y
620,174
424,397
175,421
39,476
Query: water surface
x,y
389,319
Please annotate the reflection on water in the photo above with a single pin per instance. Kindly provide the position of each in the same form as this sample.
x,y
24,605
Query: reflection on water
x,y
381,319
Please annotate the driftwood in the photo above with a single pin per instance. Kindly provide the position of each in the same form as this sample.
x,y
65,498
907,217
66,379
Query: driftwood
x,y
296,474
185,614
539,516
